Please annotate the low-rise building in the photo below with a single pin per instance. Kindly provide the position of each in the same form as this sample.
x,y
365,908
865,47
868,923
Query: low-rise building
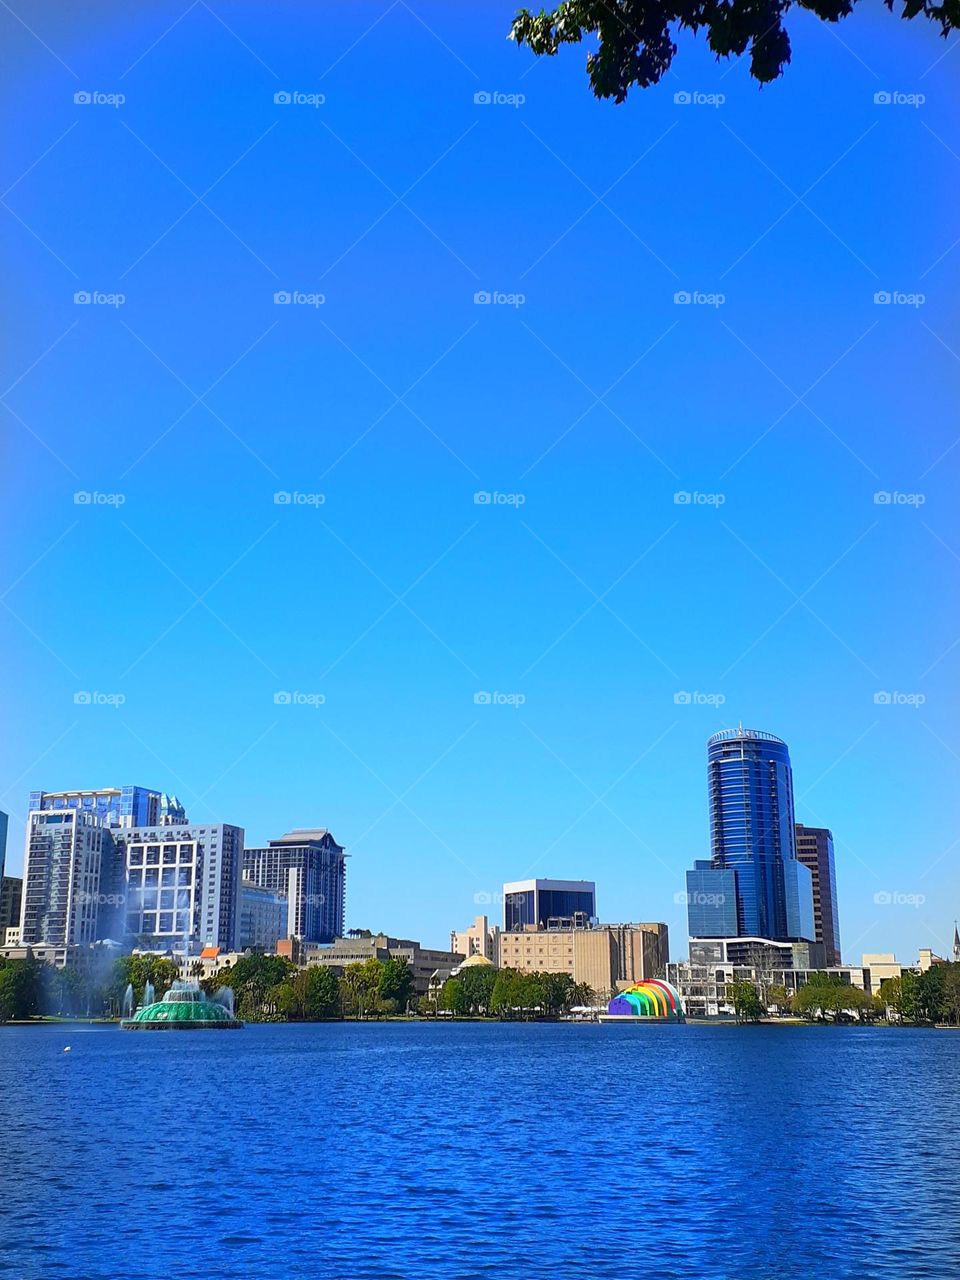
x,y
481,939
425,963
882,966
607,957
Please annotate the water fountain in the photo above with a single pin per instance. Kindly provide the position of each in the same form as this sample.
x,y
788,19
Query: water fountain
x,y
127,1006
224,996
184,1007
148,993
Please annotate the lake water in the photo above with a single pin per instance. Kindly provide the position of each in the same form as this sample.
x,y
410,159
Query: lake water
x,y
456,1151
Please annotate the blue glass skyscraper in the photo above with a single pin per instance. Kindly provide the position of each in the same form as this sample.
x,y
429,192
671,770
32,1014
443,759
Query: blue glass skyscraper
x,y
752,836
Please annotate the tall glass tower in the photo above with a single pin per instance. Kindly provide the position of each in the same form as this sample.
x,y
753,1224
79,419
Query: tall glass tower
x,y
752,835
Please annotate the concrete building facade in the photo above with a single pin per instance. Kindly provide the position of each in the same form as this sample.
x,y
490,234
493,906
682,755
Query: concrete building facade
x,y
815,851
606,957
425,963
62,877
309,868
182,886
481,939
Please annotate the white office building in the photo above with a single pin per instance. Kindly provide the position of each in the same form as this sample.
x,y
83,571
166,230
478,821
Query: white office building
x,y
62,862
182,886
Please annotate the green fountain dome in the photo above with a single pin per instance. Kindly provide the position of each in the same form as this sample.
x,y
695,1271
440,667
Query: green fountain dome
x,y
184,1007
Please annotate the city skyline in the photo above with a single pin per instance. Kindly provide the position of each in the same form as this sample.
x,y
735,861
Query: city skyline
x,y
118,809
735,505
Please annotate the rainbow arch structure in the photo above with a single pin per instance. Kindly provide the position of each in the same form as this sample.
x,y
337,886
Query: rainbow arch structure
x,y
653,998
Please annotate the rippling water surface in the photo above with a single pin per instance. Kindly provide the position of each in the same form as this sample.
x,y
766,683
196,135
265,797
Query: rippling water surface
x,y
420,1151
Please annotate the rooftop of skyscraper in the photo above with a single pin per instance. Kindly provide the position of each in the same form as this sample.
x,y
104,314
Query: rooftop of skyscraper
x,y
728,735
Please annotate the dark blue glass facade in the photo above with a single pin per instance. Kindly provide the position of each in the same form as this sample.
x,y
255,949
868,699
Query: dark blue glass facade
x,y
544,900
751,823
750,784
711,901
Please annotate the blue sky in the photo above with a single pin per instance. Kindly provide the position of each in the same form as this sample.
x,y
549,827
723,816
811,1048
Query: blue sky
x,y
783,595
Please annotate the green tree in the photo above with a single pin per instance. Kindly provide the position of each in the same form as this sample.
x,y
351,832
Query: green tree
x,y
891,993
478,983
930,993
747,1005
635,42
777,998
453,998
285,1001
20,988
507,996
583,996
141,969
396,983
361,986
951,993
320,992
256,980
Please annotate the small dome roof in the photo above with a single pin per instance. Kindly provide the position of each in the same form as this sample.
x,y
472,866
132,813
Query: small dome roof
x,y
473,962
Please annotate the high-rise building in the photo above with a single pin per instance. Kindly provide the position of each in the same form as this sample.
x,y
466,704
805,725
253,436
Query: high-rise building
x,y
815,850
62,877
537,902
117,806
752,845
182,886
11,894
263,917
481,939
4,824
309,867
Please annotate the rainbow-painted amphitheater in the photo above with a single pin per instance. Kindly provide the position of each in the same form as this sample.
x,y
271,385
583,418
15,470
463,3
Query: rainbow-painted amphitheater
x,y
653,1000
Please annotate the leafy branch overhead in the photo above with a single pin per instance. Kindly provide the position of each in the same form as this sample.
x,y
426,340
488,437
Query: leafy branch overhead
x,y
635,43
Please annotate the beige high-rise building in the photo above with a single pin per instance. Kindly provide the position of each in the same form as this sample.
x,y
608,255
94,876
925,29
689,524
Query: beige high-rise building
x,y
481,939
608,957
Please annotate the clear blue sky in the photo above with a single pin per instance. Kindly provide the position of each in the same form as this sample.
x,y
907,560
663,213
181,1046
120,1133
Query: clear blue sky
x,y
399,598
